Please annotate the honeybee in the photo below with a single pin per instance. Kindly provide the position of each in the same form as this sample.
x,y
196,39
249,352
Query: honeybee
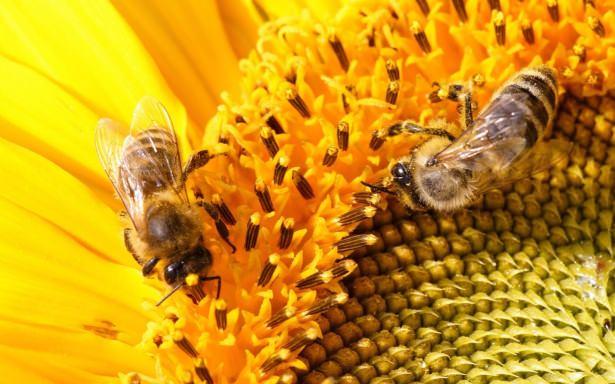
x,y
144,166
503,144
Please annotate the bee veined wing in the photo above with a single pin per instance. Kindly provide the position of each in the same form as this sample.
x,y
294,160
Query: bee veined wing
x,y
152,129
110,137
544,155
497,138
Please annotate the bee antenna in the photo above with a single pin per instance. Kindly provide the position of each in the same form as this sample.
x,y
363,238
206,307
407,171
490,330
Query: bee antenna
x,y
175,289
377,188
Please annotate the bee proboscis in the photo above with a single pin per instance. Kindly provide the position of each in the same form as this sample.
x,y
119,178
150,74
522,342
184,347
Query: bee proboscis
x,y
505,143
144,165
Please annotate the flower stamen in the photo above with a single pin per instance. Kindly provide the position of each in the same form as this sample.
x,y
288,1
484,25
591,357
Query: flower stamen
x,y
343,130
321,306
366,198
301,340
356,215
377,139
499,23
596,25
286,233
338,270
263,195
269,141
252,231
280,317
268,270
274,124
495,5
420,37
297,102
330,156
302,185
460,8
280,170
424,6
180,340
392,69
354,242
580,51
339,51
392,92
553,8
221,314
528,31
223,209
201,370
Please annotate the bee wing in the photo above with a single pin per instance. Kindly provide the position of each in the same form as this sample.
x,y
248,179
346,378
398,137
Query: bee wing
x,y
500,129
151,124
110,137
544,155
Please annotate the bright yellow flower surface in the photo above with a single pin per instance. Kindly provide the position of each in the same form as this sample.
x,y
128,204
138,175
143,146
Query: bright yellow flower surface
x,y
318,83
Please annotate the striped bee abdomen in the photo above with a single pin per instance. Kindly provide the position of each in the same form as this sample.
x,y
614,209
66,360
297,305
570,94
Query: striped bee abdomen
x,y
152,161
533,92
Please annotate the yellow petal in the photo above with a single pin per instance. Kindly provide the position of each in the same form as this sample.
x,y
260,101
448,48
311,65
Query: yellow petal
x,y
240,21
42,188
189,45
50,104
109,69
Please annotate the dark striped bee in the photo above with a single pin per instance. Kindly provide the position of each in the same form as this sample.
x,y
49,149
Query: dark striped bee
x,y
144,165
504,144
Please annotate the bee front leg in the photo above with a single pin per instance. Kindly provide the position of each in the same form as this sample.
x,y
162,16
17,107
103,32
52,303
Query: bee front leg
x,y
410,127
149,265
196,161
219,280
220,226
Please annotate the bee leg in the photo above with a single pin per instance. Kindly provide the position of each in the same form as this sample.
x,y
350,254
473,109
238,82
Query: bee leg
x,y
218,278
460,94
196,161
129,246
410,127
220,226
149,265
465,107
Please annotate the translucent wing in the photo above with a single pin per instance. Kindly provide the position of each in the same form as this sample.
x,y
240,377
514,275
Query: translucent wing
x,y
544,155
110,137
152,129
500,129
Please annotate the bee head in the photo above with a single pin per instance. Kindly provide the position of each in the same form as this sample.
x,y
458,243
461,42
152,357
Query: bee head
x,y
194,261
400,172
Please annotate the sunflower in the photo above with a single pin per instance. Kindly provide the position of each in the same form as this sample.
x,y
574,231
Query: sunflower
x,y
516,288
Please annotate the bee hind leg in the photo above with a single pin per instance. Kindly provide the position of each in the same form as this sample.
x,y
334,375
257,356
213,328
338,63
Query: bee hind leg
x,y
465,107
459,93
220,226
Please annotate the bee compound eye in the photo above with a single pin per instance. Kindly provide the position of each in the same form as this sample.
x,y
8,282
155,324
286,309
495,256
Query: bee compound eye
x,y
173,272
399,172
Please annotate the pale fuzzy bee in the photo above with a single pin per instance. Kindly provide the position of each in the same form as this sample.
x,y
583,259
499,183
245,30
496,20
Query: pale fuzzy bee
x,y
503,144
144,165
